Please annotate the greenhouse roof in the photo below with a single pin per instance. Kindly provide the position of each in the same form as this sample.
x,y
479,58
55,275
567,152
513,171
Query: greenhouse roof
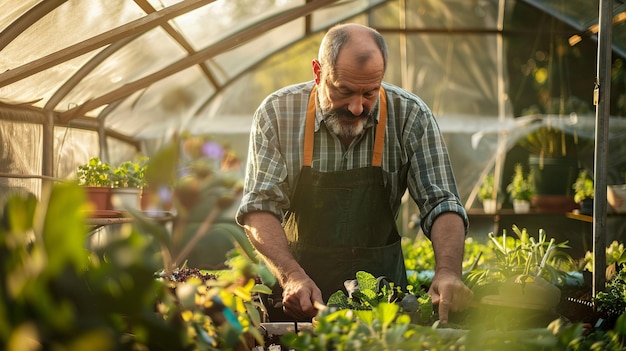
x,y
149,68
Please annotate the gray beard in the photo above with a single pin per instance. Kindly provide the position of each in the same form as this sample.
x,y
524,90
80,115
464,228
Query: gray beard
x,y
332,120
341,130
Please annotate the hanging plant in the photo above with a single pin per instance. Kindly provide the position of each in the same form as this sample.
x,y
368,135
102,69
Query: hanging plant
x,y
521,186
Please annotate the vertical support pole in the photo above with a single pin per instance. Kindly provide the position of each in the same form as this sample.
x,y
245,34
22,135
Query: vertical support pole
x,y
47,161
602,93
501,93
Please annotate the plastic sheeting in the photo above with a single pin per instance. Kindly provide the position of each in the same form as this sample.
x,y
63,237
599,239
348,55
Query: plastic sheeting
x,y
120,65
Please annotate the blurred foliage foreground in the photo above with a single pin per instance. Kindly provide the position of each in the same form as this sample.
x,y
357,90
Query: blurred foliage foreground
x,y
58,295
136,293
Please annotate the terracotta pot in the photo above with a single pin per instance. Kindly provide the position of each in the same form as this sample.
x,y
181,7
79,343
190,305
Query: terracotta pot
x,y
554,203
100,197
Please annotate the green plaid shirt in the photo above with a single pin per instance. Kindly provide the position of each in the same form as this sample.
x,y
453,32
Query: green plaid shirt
x,y
414,155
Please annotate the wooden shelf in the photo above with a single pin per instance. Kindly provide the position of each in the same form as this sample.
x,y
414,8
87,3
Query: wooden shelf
x,y
98,222
108,221
579,217
511,212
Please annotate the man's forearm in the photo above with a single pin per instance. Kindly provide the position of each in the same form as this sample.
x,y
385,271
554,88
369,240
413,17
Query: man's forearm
x,y
448,240
268,237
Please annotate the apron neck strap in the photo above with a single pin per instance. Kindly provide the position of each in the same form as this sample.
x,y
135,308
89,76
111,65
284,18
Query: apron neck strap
x,y
379,141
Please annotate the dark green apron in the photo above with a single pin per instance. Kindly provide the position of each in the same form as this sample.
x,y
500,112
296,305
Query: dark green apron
x,y
341,222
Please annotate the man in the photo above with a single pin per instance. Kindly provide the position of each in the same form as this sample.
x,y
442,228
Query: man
x,y
329,161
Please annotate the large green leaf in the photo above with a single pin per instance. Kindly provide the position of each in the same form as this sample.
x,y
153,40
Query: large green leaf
x,y
64,230
366,281
387,312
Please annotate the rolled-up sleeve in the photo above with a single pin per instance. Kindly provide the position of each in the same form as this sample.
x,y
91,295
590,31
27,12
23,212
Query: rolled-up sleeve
x,y
265,186
431,179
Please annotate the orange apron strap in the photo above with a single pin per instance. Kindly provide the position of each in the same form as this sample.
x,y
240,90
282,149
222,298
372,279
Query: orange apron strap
x,y
379,141
309,129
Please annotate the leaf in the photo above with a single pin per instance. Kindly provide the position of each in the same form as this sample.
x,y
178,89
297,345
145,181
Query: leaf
x,y
19,212
149,226
366,281
239,237
338,299
203,336
387,312
620,325
243,293
366,316
368,297
267,278
64,240
161,169
262,289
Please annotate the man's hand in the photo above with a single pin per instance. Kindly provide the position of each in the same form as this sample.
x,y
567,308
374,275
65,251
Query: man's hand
x,y
447,289
300,294
450,293
301,297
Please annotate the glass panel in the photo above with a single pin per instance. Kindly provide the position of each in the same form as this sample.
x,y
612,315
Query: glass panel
x,y
236,60
227,18
579,13
135,60
341,10
73,147
451,14
164,108
11,13
21,154
453,74
69,24
72,22
582,14
39,87
120,152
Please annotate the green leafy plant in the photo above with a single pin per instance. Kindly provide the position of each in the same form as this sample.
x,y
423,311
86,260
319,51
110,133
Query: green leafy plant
x,y
615,255
612,299
130,174
367,292
384,328
95,173
583,186
487,188
550,141
525,256
521,187
57,294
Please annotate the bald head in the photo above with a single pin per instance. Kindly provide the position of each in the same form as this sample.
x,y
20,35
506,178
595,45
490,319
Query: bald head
x,y
362,44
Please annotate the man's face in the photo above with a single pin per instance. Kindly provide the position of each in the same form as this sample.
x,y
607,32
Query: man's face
x,y
348,95
339,117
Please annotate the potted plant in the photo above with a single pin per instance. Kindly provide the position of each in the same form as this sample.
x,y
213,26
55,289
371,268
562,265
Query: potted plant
x,y
95,178
553,161
584,192
525,272
487,194
521,189
128,179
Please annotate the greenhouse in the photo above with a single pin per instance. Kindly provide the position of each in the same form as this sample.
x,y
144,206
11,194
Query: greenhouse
x,y
157,98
